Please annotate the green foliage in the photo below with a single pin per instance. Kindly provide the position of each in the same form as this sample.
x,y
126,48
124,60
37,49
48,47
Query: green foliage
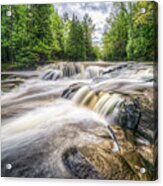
x,y
88,29
13,31
131,34
35,34
142,36
78,39
75,48
43,40
115,40
97,53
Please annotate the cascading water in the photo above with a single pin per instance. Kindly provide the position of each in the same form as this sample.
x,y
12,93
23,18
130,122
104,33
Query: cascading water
x,y
61,70
75,110
113,107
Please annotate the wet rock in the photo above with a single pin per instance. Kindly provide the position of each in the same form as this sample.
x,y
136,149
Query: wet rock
x,y
70,91
52,75
115,68
129,114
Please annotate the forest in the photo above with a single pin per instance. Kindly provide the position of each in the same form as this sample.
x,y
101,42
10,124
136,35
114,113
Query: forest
x,y
33,35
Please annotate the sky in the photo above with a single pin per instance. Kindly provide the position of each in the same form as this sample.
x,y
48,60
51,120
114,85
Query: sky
x,y
98,11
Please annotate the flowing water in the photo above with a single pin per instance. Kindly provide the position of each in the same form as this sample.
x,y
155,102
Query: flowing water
x,y
79,120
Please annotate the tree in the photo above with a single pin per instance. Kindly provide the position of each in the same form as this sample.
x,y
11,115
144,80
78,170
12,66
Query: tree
x,y
142,36
75,45
5,34
97,53
58,36
131,35
13,31
88,29
115,40
65,17
42,42
30,34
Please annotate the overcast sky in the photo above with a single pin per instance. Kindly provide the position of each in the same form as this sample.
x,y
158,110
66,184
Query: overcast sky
x,y
98,11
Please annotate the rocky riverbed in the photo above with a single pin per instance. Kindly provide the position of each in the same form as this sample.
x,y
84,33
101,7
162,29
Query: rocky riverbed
x,y
91,120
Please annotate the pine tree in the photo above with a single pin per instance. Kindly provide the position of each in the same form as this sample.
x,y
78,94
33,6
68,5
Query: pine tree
x,y
7,44
115,40
75,43
58,37
88,29
30,33
41,30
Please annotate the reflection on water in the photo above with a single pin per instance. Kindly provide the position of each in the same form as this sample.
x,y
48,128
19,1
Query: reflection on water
x,y
98,117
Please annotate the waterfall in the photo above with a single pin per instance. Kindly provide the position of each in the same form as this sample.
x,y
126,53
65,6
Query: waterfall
x,y
50,131
65,113
109,106
61,70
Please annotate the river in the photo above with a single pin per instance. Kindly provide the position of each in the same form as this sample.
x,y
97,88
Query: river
x,y
80,120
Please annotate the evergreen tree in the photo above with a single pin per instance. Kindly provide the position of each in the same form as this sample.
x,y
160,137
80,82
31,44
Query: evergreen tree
x,y
6,22
88,29
41,32
131,34
58,37
115,40
13,31
36,33
142,36
30,33
75,45
65,17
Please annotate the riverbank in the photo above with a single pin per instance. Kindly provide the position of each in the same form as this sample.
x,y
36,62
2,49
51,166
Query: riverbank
x,y
33,66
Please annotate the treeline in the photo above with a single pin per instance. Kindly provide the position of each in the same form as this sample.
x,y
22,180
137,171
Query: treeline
x,y
131,32
36,33
78,39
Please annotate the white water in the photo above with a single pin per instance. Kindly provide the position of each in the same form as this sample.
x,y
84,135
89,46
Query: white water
x,y
102,88
96,97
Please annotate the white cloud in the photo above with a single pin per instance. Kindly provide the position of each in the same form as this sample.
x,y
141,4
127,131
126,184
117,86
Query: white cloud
x,y
98,11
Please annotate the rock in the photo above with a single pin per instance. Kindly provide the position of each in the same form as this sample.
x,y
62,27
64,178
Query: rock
x,y
129,114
